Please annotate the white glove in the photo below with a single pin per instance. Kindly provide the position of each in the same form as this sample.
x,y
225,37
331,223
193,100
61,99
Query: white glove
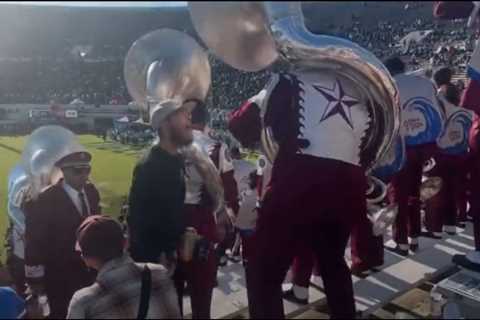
x,y
384,219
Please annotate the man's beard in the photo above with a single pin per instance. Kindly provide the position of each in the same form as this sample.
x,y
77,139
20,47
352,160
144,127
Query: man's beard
x,y
180,139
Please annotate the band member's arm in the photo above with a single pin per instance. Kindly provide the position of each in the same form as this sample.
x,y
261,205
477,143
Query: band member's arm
x,y
231,191
449,10
471,96
36,243
245,124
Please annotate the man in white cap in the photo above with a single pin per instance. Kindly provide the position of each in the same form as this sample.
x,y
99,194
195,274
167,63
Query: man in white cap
x,y
156,221
52,266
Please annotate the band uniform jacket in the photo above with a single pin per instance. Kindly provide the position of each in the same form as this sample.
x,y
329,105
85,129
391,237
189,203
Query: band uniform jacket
x,y
50,257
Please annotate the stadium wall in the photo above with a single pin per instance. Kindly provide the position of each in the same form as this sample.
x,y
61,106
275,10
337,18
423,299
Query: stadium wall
x,y
23,118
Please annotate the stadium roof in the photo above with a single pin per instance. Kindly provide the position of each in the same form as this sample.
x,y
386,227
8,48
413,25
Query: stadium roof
x,y
101,4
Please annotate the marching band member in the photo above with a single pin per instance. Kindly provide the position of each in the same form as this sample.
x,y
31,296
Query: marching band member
x,y
470,100
422,123
285,221
200,273
449,206
243,121
319,120
303,262
17,194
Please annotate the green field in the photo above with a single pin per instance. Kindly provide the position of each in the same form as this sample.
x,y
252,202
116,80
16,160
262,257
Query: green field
x,y
112,167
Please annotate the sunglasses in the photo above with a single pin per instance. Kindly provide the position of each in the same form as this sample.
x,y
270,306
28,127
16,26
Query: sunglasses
x,y
79,170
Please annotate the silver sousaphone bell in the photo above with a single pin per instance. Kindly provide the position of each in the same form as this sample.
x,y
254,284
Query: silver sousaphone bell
x,y
44,147
251,36
430,187
164,69
382,217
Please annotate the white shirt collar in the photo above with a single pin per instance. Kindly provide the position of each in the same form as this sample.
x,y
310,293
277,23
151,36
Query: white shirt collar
x,y
75,197
70,190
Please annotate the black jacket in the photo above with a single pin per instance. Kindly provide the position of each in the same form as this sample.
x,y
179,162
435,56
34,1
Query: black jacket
x,y
156,220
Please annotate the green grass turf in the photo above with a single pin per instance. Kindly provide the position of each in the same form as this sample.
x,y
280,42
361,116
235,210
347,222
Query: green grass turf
x,y
112,167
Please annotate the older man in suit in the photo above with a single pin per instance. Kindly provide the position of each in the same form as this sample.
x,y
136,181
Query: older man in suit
x,y
53,267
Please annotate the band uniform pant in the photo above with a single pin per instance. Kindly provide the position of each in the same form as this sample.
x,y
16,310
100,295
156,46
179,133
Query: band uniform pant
x,y
366,248
405,192
311,203
198,274
475,195
450,204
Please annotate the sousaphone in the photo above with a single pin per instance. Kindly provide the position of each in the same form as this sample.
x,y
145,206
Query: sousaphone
x,y
251,36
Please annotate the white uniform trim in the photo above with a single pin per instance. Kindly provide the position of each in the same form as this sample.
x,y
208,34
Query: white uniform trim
x,y
263,96
225,163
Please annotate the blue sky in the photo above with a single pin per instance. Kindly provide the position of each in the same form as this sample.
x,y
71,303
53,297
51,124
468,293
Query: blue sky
x,y
103,3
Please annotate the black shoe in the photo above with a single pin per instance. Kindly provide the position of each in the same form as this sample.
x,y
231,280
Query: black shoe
x,y
414,247
290,296
375,269
461,225
452,233
461,260
223,261
397,250
359,273
429,234
235,259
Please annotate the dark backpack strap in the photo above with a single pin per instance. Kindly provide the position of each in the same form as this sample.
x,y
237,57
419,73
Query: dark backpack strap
x,y
146,292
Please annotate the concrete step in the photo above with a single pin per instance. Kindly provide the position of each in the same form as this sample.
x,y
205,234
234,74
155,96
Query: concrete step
x,y
397,276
